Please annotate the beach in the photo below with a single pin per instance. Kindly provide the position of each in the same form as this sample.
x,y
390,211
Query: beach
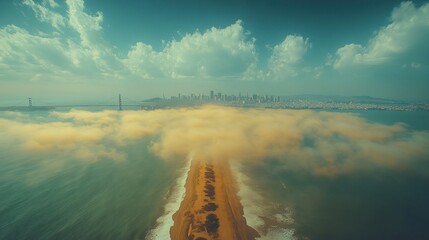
x,y
211,208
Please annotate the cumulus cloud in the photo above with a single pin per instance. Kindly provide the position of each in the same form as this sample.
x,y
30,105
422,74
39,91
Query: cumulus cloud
x,y
216,52
403,39
55,55
144,61
287,56
86,25
22,50
92,52
44,14
75,50
76,47
325,144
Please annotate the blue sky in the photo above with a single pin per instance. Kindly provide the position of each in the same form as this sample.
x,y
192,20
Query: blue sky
x,y
78,49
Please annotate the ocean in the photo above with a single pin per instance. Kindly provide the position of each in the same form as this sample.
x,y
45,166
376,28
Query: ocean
x,y
50,196
375,203
98,185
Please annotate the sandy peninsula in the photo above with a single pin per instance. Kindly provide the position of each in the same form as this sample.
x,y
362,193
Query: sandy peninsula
x,y
211,208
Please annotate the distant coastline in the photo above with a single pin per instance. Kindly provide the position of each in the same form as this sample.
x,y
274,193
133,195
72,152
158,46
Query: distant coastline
x,y
297,102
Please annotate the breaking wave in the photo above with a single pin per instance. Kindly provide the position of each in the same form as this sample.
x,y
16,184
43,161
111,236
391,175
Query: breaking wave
x,y
165,222
271,220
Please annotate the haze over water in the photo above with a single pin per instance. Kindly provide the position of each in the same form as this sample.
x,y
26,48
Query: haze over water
x,y
100,173
111,185
56,196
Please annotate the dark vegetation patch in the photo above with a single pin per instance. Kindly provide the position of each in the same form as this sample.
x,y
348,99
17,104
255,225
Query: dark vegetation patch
x,y
210,176
210,191
212,223
210,207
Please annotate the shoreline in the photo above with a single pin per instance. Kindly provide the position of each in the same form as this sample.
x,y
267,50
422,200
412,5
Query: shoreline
x,y
211,208
165,221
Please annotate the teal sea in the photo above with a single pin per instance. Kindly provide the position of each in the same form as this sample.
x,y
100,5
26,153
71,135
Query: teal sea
x,y
69,193
43,197
102,200
373,204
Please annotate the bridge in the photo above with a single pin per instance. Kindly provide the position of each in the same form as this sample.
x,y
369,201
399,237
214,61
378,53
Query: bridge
x,y
46,107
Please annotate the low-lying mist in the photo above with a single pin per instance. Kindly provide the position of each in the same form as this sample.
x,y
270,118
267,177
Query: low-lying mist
x,y
321,143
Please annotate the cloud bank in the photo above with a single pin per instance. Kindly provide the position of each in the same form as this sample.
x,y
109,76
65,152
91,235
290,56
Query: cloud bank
x,y
324,144
215,53
287,57
403,39
44,14
76,49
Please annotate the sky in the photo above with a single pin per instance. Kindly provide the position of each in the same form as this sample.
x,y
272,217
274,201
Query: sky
x,y
78,50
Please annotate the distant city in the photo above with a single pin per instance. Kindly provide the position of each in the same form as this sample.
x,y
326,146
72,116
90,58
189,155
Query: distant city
x,y
285,102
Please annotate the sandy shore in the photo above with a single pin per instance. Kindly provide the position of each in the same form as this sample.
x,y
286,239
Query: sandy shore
x,y
211,208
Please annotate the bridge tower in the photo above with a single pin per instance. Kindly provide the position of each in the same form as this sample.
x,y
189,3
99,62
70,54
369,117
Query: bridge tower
x,y
120,103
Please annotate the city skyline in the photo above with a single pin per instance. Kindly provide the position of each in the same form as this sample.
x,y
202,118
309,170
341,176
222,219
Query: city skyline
x,y
95,49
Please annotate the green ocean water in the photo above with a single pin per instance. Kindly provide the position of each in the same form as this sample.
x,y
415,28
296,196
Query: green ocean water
x,y
377,203
54,197
102,200
51,197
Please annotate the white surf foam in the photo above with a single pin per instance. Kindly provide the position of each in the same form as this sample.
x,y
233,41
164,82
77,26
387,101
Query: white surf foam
x,y
165,222
278,234
257,209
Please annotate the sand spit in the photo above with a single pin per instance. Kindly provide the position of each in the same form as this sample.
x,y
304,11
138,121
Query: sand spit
x,y
211,208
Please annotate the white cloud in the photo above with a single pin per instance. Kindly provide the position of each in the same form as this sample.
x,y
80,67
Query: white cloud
x,y
55,55
89,59
217,52
51,3
350,53
86,25
404,39
76,48
22,50
27,55
44,14
144,61
287,56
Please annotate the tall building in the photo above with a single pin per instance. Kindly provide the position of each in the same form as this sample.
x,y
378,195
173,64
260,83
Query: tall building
x,y
212,95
